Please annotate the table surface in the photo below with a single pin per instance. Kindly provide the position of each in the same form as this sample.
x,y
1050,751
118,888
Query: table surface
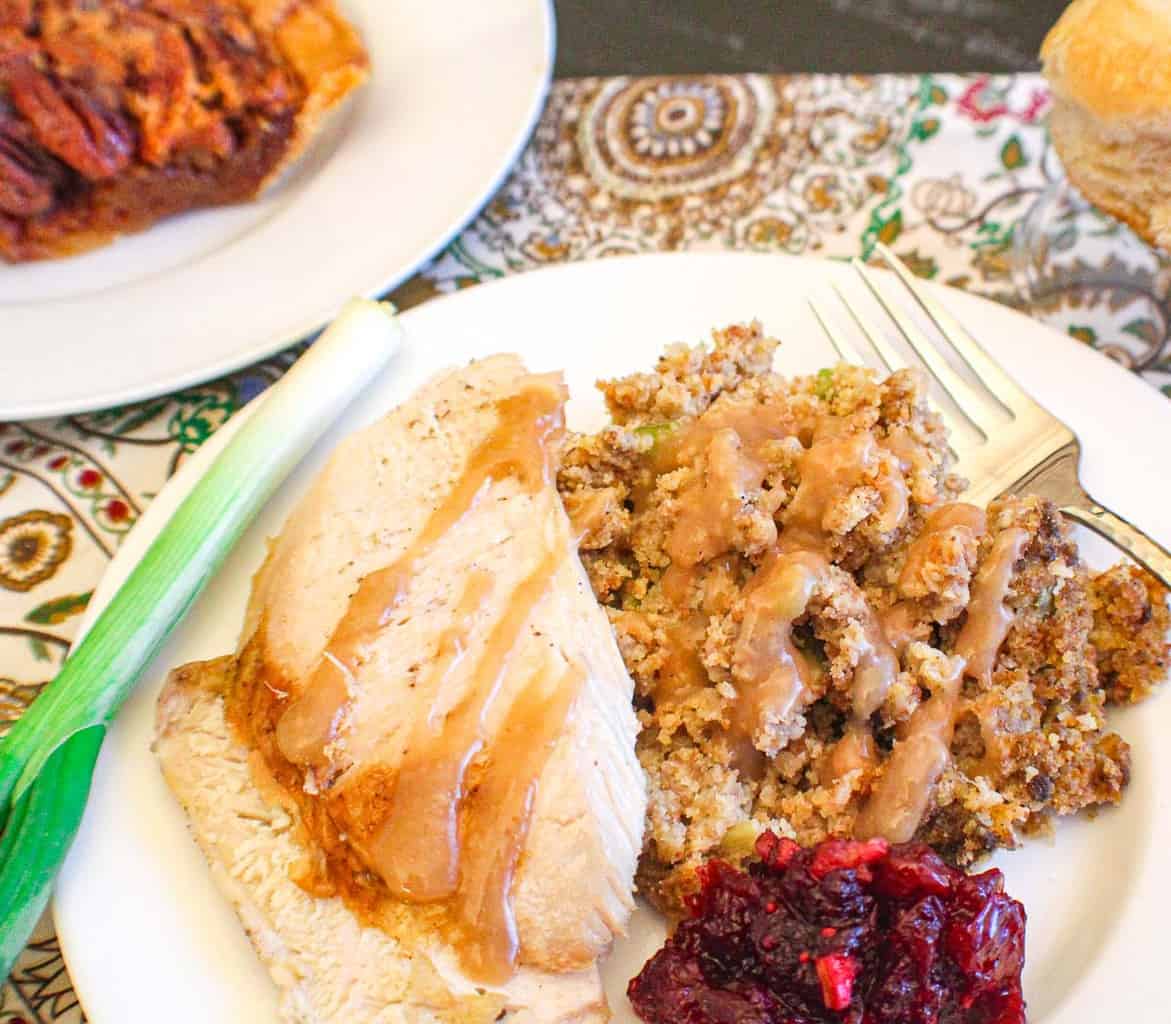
x,y
614,37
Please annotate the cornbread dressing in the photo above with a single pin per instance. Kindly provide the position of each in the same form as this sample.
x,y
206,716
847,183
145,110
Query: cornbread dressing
x,y
824,641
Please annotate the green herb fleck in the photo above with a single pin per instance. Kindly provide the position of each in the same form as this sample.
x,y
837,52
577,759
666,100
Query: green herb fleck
x,y
824,386
656,431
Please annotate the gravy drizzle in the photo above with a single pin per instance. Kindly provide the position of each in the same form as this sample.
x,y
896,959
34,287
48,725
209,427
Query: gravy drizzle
x,y
708,505
902,795
731,435
832,467
773,676
905,621
416,849
947,519
437,838
989,619
899,800
682,674
875,672
515,448
498,814
855,751
901,624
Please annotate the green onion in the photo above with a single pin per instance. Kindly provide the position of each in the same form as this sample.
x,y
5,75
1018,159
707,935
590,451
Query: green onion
x,y
656,431
100,672
41,826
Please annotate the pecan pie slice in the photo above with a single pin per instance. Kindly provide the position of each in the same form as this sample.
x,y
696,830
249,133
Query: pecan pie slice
x,y
117,113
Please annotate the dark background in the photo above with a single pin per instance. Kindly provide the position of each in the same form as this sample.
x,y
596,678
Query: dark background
x,y
607,37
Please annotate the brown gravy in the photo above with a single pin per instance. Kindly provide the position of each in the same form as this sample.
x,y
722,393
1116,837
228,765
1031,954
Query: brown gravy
x,y
900,799
905,621
989,619
904,447
950,518
772,676
708,506
903,794
855,751
451,821
677,583
498,813
515,448
416,848
901,625
875,672
754,423
682,673
832,467
727,439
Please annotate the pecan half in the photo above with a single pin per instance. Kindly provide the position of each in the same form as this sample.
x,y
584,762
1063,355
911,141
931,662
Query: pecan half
x,y
72,125
15,47
16,13
28,177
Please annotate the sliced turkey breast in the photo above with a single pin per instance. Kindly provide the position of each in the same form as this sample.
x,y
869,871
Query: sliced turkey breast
x,y
330,968
435,701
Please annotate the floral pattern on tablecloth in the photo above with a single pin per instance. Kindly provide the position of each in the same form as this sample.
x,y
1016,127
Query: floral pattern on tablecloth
x,y
945,169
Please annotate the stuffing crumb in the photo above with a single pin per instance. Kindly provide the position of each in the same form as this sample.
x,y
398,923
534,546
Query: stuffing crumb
x,y
1130,628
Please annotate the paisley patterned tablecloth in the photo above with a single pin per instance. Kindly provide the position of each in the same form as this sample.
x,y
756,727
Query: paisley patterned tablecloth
x,y
943,168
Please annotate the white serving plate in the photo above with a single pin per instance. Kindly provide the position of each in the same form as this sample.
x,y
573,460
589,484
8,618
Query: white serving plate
x,y
455,89
145,932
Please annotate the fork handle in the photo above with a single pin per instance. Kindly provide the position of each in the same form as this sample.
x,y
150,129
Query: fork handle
x,y
1125,536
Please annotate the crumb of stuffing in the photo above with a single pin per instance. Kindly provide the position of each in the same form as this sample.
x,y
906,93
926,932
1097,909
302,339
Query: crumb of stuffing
x,y
1129,635
769,548
687,380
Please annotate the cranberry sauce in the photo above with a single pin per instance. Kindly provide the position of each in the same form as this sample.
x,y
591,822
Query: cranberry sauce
x,y
842,933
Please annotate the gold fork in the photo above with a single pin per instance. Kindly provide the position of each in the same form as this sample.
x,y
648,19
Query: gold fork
x,y
1005,442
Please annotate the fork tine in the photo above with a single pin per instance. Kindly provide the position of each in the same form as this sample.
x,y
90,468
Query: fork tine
x,y
960,445
1000,385
886,352
845,350
970,403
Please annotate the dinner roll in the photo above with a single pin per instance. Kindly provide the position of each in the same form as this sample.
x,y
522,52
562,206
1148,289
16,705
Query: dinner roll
x,y
1109,65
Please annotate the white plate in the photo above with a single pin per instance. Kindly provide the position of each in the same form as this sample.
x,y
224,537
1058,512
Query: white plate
x,y
146,934
455,88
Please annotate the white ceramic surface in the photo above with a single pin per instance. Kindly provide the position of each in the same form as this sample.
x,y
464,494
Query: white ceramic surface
x,y
455,88
144,931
